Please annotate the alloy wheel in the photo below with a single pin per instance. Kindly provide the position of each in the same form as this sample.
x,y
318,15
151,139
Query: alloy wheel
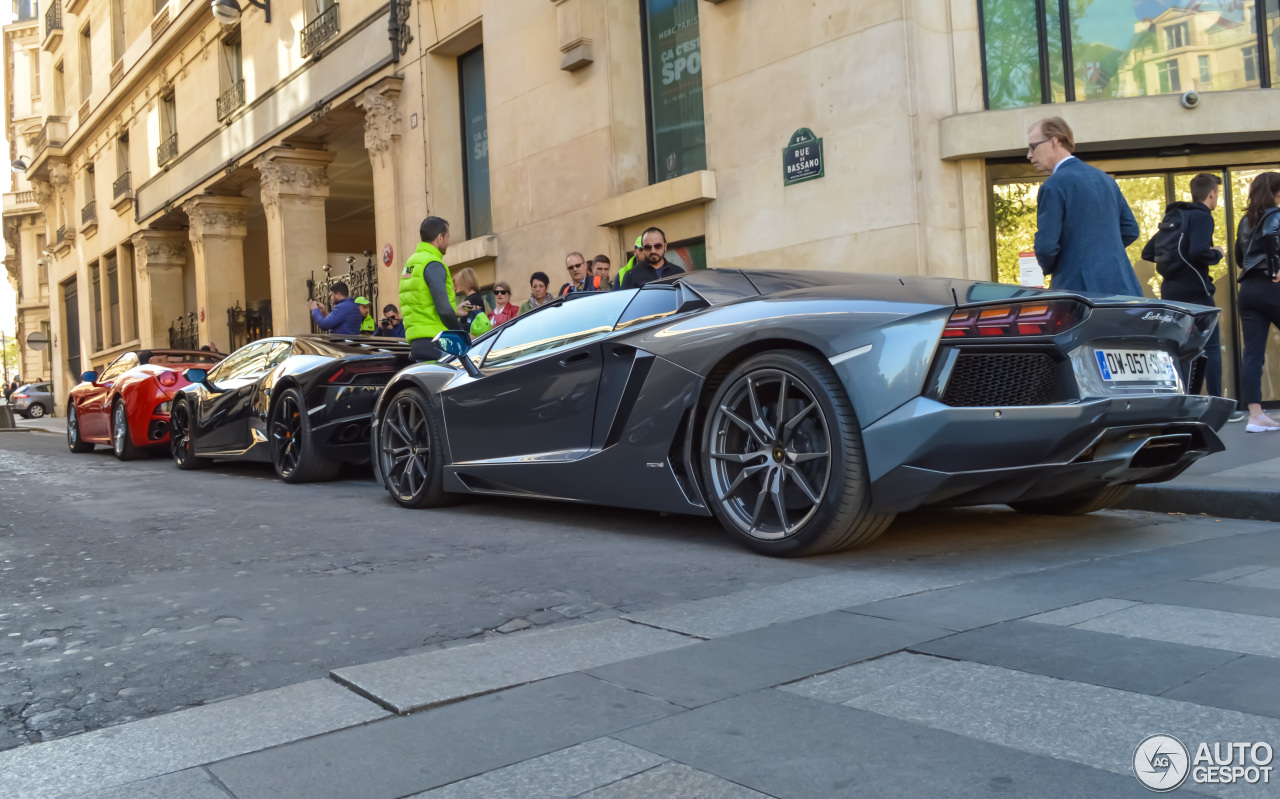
x,y
179,432
770,454
119,428
286,433
36,411
405,448
73,425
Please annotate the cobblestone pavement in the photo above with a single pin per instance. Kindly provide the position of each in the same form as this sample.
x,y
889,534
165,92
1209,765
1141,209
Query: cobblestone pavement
x,y
131,589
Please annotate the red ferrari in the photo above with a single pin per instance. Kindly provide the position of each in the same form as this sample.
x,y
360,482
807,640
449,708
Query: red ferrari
x,y
127,406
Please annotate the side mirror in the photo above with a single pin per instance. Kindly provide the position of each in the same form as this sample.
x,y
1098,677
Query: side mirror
x,y
89,377
194,375
455,343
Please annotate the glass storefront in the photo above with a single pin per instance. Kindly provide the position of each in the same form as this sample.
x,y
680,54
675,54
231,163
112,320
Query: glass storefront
x,y
1126,48
475,143
1148,194
673,49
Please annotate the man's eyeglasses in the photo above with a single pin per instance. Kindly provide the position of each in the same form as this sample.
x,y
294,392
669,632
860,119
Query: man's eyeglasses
x,y
653,247
575,266
1031,149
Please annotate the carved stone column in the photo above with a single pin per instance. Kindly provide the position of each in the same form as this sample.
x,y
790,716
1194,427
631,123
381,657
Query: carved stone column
x,y
217,244
382,117
294,186
160,257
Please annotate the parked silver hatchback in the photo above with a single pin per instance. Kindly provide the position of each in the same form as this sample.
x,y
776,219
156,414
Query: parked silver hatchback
x,y
34,400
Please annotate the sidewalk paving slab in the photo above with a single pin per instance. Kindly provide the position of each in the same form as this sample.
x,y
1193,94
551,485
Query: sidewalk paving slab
x,y
410,754
793,746
1229,597
194,783
1070,653
136,751
415,682
1247,684
745,662
674,781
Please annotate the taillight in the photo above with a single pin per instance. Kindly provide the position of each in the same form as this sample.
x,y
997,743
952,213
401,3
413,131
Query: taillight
x,y
168,378
19,396
1023,319
348,372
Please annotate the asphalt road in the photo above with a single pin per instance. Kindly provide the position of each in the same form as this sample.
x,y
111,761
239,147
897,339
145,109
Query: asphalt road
x,y
132,589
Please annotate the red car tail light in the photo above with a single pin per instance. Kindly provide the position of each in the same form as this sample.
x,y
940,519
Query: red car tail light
x,y
349,372
168,378
1023,319
19,396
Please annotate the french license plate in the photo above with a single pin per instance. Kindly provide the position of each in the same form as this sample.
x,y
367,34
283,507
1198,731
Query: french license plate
x,y
1132,366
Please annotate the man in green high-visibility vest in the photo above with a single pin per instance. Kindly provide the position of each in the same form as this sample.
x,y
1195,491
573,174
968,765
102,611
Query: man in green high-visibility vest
x,y
631,262
428,302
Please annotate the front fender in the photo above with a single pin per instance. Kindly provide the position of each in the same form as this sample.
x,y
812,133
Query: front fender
x,y
429,378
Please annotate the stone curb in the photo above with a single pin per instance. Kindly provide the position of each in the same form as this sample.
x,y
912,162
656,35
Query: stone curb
x,y
1232,503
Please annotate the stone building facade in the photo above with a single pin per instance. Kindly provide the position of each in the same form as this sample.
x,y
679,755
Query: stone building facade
x,y
192,179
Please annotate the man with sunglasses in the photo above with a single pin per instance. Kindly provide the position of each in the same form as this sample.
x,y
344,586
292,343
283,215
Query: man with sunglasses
x,y
580,277
652,264
1083,221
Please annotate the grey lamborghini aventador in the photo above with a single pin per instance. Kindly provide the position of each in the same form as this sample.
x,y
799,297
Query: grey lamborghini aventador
x,y
804,409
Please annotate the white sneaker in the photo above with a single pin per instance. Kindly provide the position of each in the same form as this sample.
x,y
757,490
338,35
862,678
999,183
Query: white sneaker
x,y
1257,425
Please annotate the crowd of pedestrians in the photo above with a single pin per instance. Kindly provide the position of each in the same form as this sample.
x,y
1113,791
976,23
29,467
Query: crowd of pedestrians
x,y
1084,225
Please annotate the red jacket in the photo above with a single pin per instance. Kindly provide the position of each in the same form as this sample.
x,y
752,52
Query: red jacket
x,y
504,314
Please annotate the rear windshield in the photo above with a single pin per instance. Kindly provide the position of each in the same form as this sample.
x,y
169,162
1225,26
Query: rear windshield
x,y
165,360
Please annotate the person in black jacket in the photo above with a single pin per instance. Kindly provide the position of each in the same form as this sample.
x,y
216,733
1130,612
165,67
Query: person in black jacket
x,y
1258,254
653,264
1183,250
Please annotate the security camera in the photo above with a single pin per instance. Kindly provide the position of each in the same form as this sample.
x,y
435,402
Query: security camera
x,y
1190,99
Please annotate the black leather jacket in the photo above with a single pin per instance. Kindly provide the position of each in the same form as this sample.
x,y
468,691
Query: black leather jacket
x,y
1259,252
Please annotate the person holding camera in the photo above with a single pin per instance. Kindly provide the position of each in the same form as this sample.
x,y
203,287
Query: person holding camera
x,y
390,326
1258,253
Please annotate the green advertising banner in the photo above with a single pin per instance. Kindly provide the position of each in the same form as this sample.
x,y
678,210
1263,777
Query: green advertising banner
x,y
678,138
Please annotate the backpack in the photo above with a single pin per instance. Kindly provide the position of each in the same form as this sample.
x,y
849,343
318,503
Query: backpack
x,y
1167,243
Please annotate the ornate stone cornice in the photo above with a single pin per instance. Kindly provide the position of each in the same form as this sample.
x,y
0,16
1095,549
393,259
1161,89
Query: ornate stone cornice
x,y
156,249
302,174
381,120
216,216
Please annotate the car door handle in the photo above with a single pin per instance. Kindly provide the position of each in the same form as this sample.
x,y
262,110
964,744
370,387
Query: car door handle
x,y
572,359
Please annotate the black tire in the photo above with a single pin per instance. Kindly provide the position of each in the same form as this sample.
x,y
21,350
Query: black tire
x,y
747,463
74,442
293,453
181,444
1075,504
409,452
121,442
35,410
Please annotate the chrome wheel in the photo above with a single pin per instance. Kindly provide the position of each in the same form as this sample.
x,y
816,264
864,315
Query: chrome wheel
x,y
405,448
35,411
119,428
770,454
286,434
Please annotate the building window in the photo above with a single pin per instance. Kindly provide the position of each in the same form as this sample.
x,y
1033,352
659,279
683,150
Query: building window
x,y
71,319
158,6
230,75
86,65
117,31
34,60
42,266
168,147
95,280
1109,49
24,9
124,180
1250,57
59,89
475,143
673,51
113,299
1169,77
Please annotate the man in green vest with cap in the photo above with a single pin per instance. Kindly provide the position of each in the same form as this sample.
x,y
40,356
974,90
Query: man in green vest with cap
x,y
428,301
635,253
367,323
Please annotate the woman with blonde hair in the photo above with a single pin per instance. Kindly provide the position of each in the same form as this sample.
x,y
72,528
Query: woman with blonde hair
x,y
467,284
506,310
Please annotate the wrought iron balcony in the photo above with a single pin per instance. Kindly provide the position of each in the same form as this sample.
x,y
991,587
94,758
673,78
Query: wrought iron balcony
x,y
230,100
122,185
53,17
167,151
320,30
89,212
61,235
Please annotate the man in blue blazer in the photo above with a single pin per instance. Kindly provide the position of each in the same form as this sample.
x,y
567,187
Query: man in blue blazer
x,y
1083,221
